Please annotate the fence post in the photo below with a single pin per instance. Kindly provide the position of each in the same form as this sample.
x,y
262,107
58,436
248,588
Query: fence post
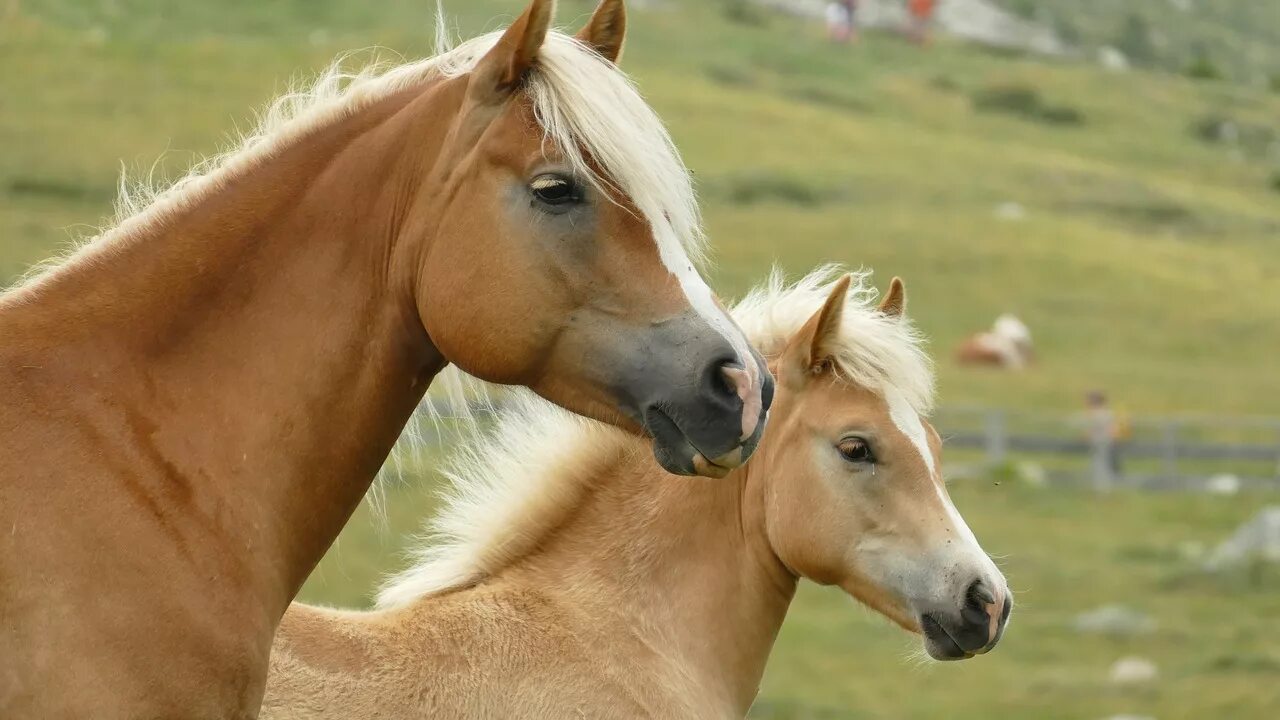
x,y
1102,450
1278,451
997,438
1169,452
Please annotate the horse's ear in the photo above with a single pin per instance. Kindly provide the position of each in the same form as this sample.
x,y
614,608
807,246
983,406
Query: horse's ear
x,y
606,30
501,70
894,303
811,350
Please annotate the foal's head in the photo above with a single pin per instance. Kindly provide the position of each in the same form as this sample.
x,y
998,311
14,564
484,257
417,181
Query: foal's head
x,y
854,494
555,232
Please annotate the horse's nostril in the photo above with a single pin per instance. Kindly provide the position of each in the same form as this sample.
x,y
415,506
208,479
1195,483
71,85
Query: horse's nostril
x,y
766,392
730,381
979,595
723,379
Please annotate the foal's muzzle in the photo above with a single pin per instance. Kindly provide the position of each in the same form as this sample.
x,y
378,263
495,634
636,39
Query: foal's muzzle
x,y
974,630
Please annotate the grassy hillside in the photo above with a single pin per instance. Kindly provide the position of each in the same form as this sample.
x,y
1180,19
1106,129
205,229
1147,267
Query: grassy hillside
x,y
1144,261
1142,264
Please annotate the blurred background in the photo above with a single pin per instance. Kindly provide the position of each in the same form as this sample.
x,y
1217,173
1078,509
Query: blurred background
x,y
1083,197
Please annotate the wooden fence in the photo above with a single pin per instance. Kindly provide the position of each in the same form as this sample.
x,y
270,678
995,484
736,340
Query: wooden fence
x,y
1184,452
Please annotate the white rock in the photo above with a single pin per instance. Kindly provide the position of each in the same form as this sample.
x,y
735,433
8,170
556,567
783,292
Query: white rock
x,y
1031,474
1258,539
1114,620
1010,211
1112,59
1134,671
1223,484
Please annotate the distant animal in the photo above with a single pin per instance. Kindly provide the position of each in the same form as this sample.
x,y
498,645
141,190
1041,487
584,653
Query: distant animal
x,y
1007,345
195,402
570,578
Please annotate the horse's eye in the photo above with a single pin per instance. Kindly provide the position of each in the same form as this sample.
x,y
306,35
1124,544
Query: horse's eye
x,y
555,190
855,450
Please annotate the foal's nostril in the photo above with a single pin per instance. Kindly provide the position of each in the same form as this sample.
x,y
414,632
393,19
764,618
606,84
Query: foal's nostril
x,y
979,595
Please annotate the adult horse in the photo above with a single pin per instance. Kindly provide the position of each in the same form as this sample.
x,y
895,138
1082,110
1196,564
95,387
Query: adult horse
x,y
195,402
568,580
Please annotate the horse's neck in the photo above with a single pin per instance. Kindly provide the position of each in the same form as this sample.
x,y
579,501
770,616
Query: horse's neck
x,y
257,336
683,564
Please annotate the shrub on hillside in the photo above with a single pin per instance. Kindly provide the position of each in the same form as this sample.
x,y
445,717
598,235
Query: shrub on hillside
x,y
1024,102
743,12
760,186
1202,67
1275,181
1134,40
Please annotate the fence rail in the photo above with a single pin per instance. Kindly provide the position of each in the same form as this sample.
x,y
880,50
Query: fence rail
x,y
1185,452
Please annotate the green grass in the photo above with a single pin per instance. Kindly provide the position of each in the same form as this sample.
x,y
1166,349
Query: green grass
x,y
1146,265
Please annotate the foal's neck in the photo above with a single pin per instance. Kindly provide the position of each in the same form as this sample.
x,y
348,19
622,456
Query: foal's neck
x,y
263,335
684,563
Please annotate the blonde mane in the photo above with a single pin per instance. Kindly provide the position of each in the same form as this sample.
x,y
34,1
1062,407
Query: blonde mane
x,y
586,106
507,487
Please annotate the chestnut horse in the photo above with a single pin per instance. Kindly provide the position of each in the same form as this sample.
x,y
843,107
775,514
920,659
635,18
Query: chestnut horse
x,y
567,579
196,401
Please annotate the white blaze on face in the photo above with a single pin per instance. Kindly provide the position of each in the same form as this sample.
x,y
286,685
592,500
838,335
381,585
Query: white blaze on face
x,y
908,421
698,293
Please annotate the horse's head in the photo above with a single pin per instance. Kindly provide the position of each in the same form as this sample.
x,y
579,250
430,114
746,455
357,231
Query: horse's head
x,y
558,225
854,495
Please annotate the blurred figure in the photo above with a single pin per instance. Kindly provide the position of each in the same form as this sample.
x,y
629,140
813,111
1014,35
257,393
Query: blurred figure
x,y
1106,430
841,21
1007,345
921,17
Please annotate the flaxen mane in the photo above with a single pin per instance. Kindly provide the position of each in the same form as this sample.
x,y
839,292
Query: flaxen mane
x,y
586,106
512,484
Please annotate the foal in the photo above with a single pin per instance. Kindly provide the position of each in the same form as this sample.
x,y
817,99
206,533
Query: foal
x,y
192,405
600,592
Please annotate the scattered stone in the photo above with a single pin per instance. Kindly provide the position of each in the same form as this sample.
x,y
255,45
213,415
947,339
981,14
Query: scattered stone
x,y
1115,621
1258,539
1223,484
1031,474
1010,212
1134,671
1112,59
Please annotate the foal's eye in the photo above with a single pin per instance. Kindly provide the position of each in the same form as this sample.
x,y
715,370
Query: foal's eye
x,y
855,450
556,190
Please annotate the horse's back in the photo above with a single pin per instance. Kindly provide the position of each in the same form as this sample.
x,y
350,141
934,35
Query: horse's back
x,y
495,653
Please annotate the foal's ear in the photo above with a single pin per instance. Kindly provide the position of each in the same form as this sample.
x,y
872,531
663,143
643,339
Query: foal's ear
x,y
812,349
500,71
606,30
894,303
